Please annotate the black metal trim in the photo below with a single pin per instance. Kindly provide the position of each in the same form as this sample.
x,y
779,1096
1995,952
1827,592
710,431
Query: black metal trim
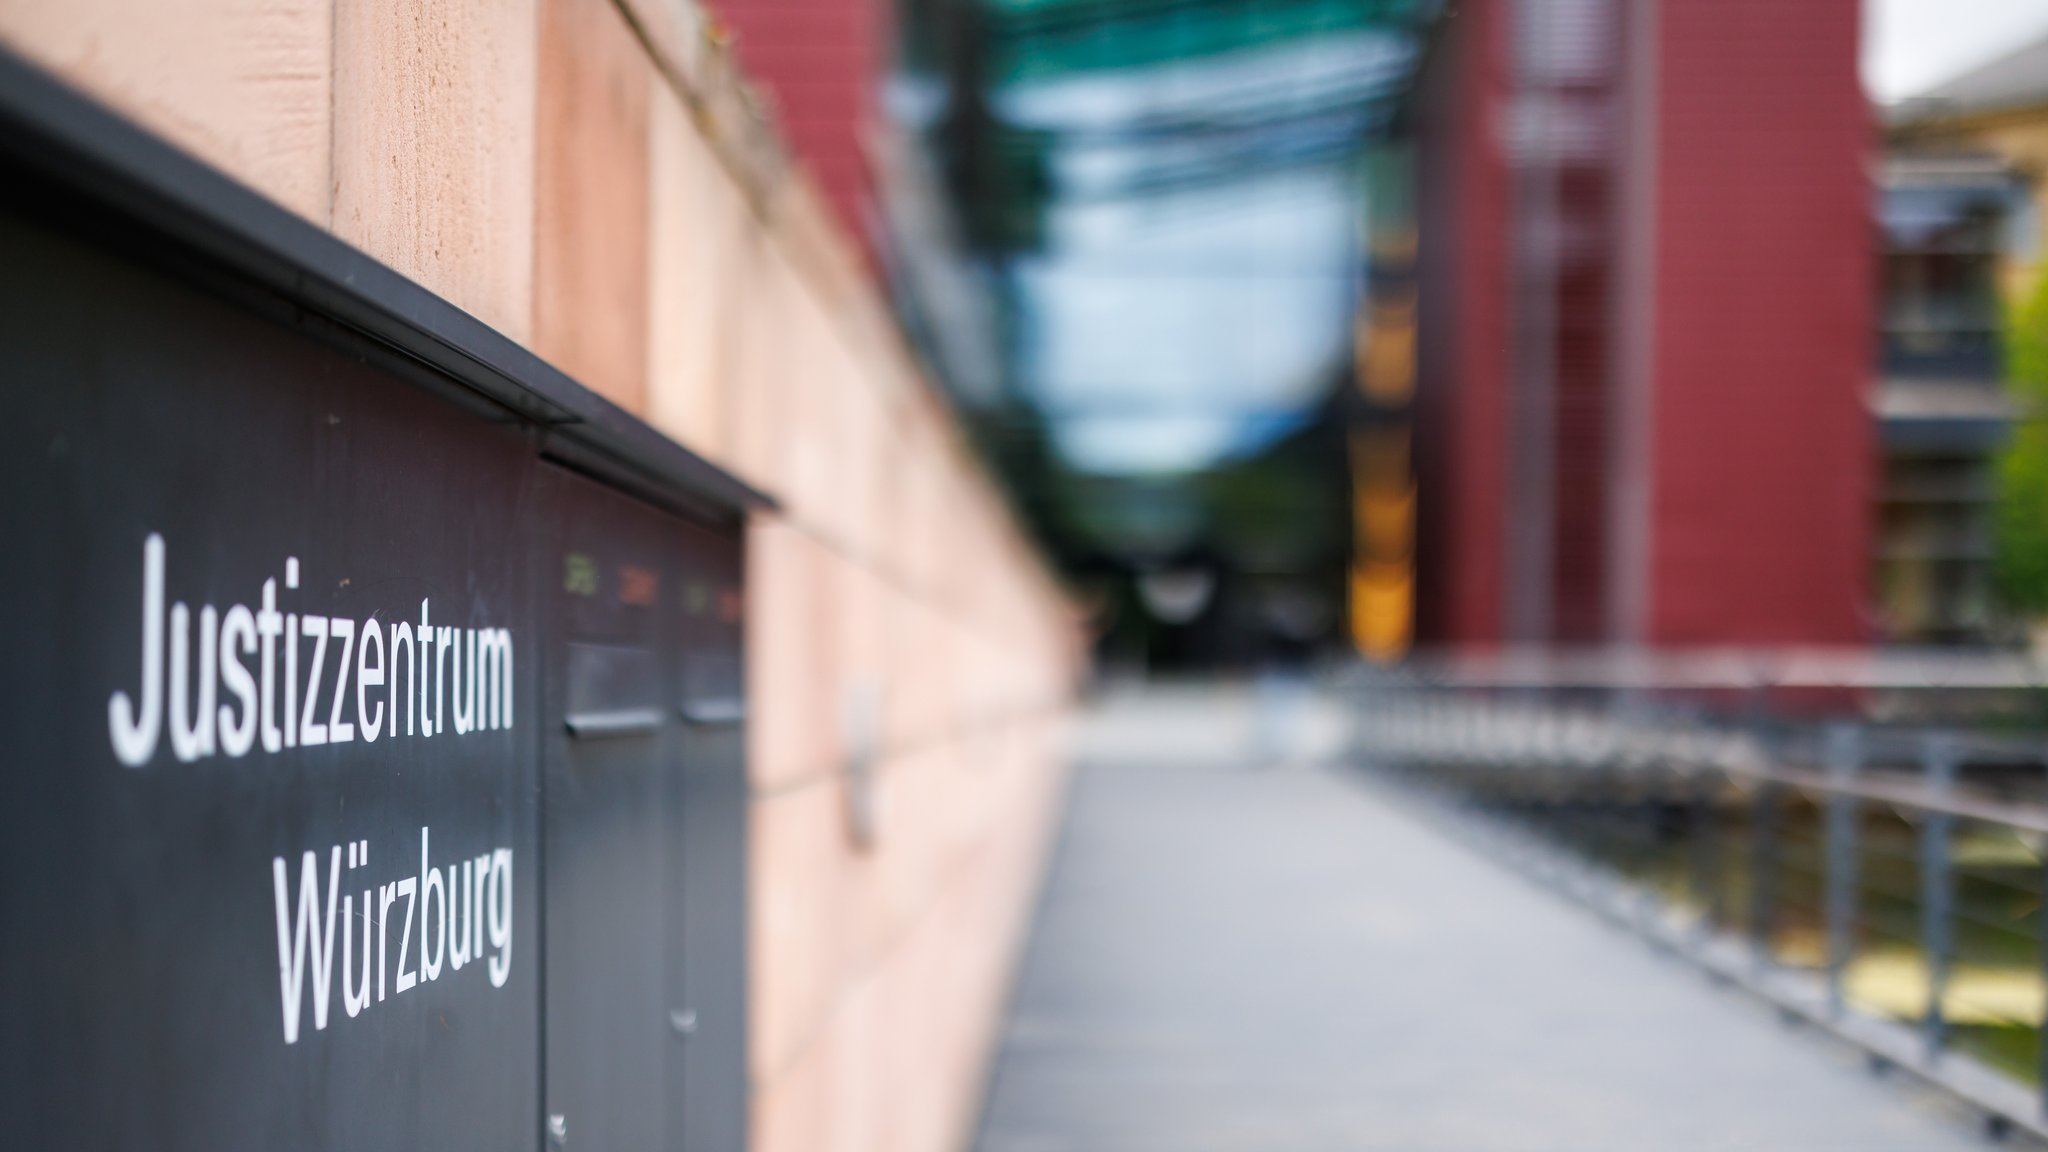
x,y
98,162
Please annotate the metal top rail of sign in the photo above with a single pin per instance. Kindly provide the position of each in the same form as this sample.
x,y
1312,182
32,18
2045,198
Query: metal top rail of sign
x,y
78,163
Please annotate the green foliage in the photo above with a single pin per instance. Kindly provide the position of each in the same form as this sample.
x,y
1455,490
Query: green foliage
x,y
2020,570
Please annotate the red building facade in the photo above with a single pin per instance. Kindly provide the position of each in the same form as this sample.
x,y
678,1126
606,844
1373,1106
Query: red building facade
x,y
819,62
1644,315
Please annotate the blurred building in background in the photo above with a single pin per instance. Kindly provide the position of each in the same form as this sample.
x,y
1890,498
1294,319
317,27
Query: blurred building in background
x,y
1962,196
818,64
1610,383
1997,116
1605,369
1130,234
1608,374
1938,398
1644,306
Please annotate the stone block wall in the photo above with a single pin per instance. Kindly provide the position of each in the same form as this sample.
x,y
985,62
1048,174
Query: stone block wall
x,y
588,177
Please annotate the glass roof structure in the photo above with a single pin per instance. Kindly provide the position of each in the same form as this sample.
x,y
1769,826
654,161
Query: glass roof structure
x,y
1163,200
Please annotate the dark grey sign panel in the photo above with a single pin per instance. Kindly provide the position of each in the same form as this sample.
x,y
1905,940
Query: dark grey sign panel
x,y
271,855
374,773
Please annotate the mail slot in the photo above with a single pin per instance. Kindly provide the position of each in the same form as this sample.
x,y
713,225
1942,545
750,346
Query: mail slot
x,y
613,691
353,799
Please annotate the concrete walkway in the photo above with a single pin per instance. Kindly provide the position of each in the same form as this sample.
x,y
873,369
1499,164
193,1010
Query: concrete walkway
x,y
1234,953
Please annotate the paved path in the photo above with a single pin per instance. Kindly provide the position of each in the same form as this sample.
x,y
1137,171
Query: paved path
x,y
1246,957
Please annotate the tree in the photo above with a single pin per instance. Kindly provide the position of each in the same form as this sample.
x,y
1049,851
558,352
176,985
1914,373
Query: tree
x,y
2020,570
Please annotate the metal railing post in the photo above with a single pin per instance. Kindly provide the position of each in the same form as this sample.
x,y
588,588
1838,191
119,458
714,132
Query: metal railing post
x,y
1844,755
1707,881
2042,1024
1938,755
1764,815
1763,872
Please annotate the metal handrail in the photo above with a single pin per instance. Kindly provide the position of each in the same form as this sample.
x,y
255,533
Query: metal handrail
x,y
1842,766
2025,817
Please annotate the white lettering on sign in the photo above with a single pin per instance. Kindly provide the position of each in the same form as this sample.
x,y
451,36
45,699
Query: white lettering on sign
x,y
442,918
226,706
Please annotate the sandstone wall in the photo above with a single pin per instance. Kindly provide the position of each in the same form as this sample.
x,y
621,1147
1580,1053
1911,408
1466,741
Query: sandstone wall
x,y
587,177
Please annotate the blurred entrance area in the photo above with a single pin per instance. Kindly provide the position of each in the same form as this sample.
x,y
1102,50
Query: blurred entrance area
x,y
1305,329
1635,406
